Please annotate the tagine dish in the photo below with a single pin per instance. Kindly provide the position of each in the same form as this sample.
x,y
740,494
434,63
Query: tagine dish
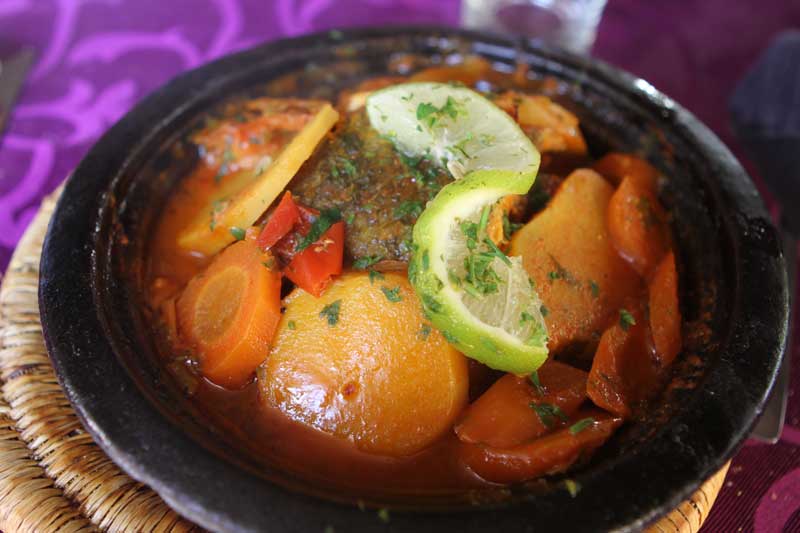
x,y
427,285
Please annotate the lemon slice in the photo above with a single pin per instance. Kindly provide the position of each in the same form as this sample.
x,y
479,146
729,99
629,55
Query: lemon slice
x,y
457,127
483,301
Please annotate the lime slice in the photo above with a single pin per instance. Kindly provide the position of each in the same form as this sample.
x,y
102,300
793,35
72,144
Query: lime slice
x,y
456,126
483,301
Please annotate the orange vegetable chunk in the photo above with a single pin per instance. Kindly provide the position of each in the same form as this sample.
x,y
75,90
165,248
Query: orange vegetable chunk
x,y
503,416
362,363
567,251
550,126
229,313
637,225
624,371
616,166
665,315
549,454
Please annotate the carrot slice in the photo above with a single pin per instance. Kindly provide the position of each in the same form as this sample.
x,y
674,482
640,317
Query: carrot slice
x,y
615,167
230,312
637,225
665,316
503,416
623,371
550,454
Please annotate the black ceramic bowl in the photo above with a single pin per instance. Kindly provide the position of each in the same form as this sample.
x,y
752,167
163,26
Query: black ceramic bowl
x,y
732,279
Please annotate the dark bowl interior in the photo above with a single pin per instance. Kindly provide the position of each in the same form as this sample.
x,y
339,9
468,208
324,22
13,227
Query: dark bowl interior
x,y
732,278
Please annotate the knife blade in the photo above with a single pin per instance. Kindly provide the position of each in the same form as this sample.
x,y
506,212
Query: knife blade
x,y
13,70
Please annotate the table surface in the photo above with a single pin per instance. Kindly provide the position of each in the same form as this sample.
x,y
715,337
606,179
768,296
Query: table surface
x,y
96,58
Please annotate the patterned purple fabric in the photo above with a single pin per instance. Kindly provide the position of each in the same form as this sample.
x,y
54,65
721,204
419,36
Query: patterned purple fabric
x,y
96,58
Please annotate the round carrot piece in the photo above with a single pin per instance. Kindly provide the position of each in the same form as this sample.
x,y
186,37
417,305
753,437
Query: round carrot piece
x,y
362,363
665,316
229,314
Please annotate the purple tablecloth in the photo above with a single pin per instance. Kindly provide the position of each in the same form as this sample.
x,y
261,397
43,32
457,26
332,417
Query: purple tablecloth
x,y
96,58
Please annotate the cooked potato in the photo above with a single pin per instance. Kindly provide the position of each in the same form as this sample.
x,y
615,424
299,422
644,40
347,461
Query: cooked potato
x,y
361,363
567,251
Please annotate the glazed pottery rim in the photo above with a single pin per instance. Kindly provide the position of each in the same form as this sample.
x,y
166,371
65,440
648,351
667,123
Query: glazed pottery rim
x,y
67,284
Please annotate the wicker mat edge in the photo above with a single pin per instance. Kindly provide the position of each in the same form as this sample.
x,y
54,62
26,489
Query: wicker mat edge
x,y
53,477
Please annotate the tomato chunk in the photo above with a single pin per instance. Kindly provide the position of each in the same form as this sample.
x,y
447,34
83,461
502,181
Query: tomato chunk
x,y
312,268
503,416
549,454
283,219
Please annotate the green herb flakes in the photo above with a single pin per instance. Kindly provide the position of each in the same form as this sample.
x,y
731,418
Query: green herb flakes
x,y
595,288
424,332
581,424
449,337
326,219
393,295
626,319
238,233
544,310
373,275
331,312
411,208
572,486
362,263
383,515
291,325
548,413
534,378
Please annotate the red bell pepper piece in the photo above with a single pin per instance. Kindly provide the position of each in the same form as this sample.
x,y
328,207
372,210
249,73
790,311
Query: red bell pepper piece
x,y
283,219
313,268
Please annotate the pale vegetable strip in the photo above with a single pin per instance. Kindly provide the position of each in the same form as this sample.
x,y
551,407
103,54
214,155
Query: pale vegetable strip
x,y
245,206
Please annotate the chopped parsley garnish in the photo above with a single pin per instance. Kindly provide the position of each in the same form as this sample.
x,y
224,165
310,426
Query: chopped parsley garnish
x,y
484,221
595,288
424,332
431,303
429,114
367,261
373,275
291,325
544,310
383,515
554,275
509,228
449,337
326,219
408,207
626,319
572,486
349,168
497,252
548,413
350,218
534,377
331,312
269,263
227,157
581,424
393,295
238,233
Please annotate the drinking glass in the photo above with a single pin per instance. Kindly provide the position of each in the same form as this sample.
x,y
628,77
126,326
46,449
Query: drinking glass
x,y
570,24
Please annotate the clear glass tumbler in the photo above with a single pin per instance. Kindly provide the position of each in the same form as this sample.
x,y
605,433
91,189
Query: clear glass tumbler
x,y
570,24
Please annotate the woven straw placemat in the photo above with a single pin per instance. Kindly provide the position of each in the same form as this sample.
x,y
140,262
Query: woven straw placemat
x,y
53,477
